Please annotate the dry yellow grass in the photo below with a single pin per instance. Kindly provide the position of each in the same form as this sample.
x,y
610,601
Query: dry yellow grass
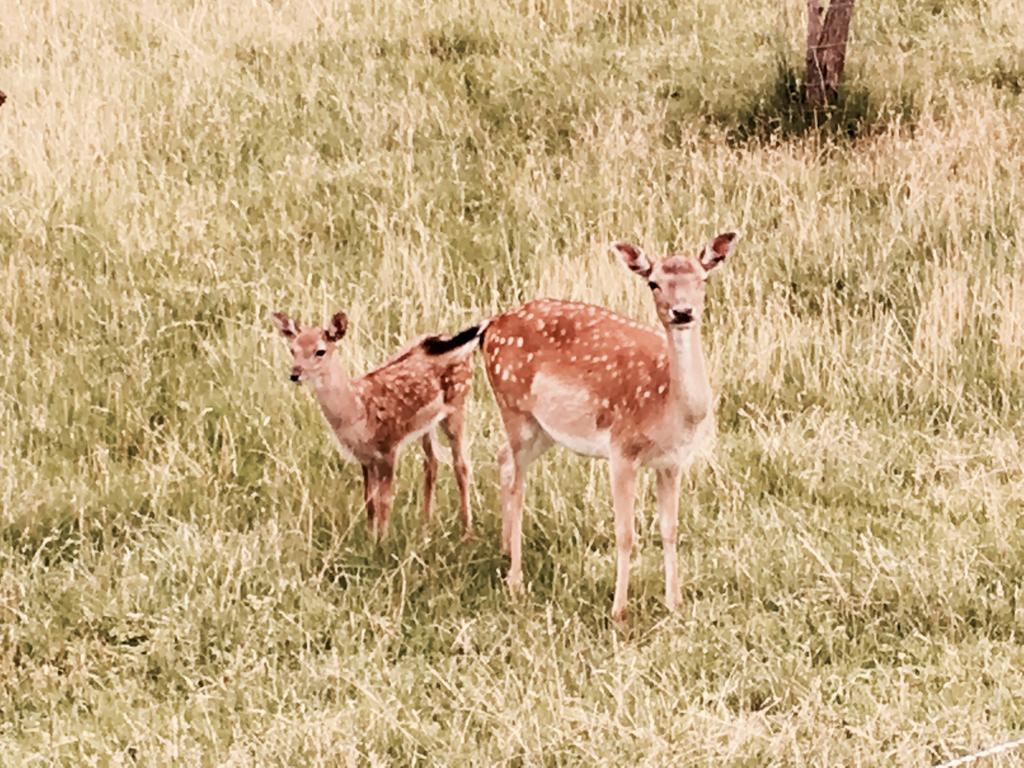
x,y
184,572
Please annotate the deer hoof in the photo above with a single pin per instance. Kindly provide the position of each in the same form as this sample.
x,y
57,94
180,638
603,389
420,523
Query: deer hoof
x,y
673,601
515,585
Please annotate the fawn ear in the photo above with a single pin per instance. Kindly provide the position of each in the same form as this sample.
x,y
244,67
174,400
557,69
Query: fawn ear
x,y
285,325
714,253
337,327
632,258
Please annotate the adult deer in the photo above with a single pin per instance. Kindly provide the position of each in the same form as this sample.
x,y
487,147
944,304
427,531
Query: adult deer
x,y
603,385
373,416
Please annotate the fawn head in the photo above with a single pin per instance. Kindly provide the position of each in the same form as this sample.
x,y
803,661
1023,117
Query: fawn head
x,y
311,348
677,281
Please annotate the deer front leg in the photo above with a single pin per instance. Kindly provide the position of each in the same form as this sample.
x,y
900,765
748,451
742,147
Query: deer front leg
x,y
369,481
668,514
385,472
623,479
429,476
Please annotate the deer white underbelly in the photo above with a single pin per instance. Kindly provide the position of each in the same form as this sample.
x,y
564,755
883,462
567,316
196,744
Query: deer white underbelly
x,y
565,412
427,418
417,434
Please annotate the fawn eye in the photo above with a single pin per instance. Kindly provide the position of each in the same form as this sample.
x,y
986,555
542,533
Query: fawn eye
x,y
320,352
652,285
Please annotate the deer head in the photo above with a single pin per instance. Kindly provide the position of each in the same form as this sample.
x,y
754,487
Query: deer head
x,y
677,281
312,348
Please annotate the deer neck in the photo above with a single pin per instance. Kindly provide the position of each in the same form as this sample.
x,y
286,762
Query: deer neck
x,y
337,398
689,388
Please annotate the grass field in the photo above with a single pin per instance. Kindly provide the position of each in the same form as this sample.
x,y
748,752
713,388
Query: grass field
x,y
185,572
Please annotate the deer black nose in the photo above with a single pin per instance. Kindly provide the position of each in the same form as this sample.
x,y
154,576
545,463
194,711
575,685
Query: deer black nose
x,y
682,316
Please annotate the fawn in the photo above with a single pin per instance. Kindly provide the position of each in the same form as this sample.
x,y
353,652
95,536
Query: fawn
x,y
373,416
603,385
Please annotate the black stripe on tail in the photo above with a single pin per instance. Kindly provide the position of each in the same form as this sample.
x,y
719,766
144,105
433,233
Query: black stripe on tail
x,y
438,345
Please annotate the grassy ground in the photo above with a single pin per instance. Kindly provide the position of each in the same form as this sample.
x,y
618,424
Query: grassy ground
x,y
185,574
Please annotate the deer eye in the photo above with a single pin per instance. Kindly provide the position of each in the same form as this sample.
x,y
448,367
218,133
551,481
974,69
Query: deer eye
x,y
320,352
652,285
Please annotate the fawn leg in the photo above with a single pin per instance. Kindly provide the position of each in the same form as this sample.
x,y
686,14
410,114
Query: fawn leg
x,y
429,476
453,427
369,481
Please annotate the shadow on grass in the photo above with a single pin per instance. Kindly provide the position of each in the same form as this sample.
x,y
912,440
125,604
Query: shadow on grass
x,y
1006,76
460,43
775,109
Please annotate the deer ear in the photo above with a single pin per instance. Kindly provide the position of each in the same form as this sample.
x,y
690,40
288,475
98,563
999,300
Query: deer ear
x,y
337,327
285,325
632,258
714,253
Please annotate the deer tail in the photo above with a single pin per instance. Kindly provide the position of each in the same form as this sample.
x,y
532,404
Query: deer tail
x,y
439,345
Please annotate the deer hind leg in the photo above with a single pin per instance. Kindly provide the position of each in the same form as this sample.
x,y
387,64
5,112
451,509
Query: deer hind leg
x,y
453,427
526,442
507,472
623,478
668,514
429,475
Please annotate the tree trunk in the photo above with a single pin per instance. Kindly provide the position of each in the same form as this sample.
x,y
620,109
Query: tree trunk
x,y
826,49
